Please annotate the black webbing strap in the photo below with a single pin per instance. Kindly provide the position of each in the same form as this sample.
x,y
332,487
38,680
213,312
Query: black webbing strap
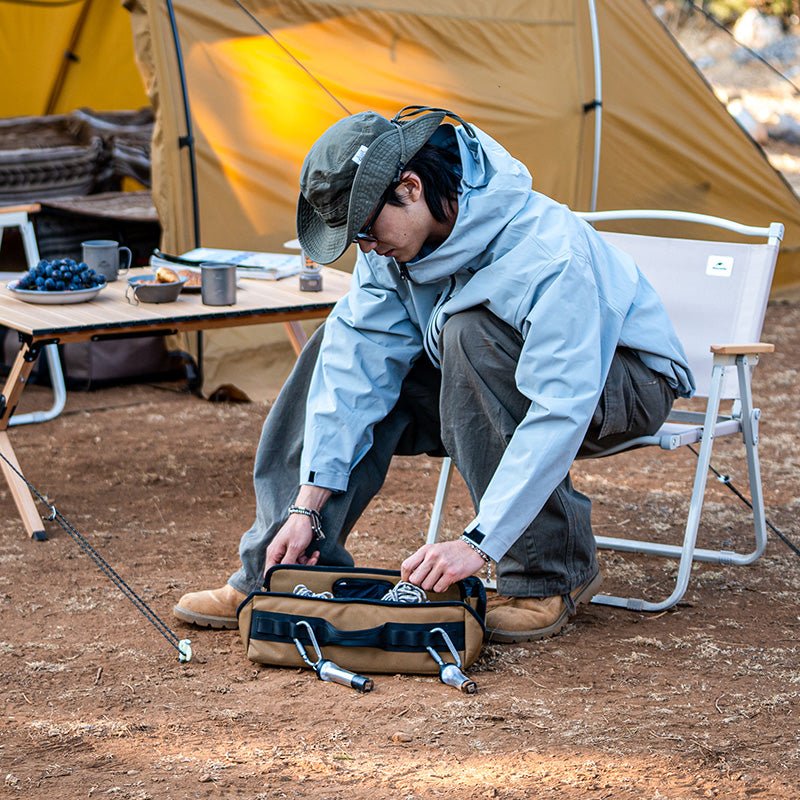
x,y
405,637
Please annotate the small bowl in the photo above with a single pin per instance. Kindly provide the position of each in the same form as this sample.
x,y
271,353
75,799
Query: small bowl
x,y
145,289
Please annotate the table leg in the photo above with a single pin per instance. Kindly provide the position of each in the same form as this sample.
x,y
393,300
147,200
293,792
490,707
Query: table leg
x,y
15,383
297,336
19,491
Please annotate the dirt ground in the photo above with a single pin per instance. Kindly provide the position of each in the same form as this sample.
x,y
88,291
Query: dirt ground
x,y
700,701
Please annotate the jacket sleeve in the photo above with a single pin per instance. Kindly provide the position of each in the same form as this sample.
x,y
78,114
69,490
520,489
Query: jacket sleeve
x,y
570,336
369,344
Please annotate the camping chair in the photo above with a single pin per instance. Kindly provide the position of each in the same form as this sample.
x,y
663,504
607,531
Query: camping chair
x,y
716,296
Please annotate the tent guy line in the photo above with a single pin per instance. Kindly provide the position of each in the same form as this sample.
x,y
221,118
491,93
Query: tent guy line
x,y
291,55
726,480
714,21
183,646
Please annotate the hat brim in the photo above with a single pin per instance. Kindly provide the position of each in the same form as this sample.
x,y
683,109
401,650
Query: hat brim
x,y
377,171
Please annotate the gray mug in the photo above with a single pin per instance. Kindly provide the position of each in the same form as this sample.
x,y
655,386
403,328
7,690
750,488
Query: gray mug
x,y
103,256
218,284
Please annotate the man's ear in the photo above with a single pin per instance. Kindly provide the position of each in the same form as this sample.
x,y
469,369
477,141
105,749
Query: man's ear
x,y
410,188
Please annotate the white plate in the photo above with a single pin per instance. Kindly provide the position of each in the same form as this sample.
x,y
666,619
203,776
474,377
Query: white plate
x,y
54,298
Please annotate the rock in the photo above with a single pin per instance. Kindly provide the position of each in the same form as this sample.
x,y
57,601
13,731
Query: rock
x,y
786,129
757,30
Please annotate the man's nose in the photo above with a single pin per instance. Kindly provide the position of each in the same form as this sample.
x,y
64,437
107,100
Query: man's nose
x,y
367,246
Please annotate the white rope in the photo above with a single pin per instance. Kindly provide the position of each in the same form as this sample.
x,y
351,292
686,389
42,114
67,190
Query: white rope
x,y
301,590
403,592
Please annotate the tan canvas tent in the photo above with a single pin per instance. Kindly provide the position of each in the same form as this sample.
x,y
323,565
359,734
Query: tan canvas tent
x,y
243,87
610,113
56,57
524,71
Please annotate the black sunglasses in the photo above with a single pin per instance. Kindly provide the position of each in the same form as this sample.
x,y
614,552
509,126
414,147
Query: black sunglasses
x,y
365,234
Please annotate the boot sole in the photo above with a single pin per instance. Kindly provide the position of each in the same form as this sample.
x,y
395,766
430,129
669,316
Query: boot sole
x,y
204,620
500,636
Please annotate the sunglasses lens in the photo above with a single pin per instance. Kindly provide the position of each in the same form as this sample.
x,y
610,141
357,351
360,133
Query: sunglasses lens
x,y
365,234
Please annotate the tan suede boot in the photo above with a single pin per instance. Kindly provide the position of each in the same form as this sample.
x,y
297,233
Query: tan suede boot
x,y
212,608
525,619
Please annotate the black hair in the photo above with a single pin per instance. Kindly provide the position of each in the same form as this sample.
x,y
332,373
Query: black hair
x,y
439,169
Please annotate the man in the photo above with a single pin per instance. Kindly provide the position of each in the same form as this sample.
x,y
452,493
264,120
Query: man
x,y
485,321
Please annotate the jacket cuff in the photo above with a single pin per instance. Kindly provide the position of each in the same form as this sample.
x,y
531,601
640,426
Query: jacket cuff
x,y
327,480
483,541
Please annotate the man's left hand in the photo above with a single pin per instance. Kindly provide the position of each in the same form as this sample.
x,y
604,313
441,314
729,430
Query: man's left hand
x,y
435,567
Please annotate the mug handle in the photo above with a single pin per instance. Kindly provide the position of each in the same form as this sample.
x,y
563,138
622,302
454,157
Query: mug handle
x,y
130,289
130,259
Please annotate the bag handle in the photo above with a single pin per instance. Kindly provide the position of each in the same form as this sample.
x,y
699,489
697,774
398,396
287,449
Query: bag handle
x,y
391,636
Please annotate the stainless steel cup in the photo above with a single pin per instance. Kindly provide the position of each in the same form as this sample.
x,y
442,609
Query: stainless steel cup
x,y
103,256
218,284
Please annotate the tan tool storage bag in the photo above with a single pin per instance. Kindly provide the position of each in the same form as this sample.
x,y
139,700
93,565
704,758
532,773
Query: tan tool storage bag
x,y
355,628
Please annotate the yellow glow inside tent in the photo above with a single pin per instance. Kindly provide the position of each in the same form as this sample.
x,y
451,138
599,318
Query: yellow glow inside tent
x,y
275,110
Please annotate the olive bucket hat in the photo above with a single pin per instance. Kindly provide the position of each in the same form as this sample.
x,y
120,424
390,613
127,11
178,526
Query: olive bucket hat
x,y
349,168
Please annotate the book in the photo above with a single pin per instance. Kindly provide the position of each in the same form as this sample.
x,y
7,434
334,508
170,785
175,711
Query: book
x,y
249,264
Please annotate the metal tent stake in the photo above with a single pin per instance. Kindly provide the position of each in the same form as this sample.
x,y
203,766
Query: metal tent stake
x,y
325,669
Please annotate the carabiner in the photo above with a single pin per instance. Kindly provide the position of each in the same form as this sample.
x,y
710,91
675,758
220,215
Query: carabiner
x,y
451,674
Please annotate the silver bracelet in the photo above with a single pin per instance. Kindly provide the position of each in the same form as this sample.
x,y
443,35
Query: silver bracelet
x,y
486,559
316,520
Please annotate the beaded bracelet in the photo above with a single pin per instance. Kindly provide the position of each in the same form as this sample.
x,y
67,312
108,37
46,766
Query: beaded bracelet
x,y
464,538
316,520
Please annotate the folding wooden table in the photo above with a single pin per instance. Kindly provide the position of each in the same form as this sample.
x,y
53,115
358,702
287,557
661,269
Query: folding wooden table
x,y
110,315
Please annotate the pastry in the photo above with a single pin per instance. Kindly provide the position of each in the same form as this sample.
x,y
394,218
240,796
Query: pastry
x,y
166,275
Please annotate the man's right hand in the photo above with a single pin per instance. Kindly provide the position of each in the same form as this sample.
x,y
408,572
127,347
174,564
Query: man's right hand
x,y
290,543
292,540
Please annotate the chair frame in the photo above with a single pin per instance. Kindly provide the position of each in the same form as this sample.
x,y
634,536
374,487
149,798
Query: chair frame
x,y
685,428
19,217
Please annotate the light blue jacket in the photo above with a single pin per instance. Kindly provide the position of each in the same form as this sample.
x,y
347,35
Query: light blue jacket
x,y
534,264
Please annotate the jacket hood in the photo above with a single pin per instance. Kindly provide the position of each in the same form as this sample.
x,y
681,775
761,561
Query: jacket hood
x,y
494,188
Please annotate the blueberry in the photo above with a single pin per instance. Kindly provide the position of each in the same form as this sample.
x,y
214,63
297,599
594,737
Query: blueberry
x,y
49,285
40,281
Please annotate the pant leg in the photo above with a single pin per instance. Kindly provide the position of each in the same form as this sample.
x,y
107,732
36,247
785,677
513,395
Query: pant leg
x,y
411,427
481,407
635,402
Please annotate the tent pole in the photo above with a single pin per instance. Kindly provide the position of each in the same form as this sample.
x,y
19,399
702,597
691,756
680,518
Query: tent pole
x,y
68,59
598,102
186,141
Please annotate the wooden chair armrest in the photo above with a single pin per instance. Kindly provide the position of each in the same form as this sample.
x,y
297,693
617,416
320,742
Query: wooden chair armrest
x,y
30,208
742,349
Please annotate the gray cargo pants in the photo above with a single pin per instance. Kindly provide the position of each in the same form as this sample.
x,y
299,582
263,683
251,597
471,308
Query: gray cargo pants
x,y
469,410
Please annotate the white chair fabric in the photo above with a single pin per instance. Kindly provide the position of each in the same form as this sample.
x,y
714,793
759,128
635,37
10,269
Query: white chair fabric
x,y
716,295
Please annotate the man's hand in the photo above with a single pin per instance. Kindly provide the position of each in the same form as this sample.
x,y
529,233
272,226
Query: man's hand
x,y
434,567
290,543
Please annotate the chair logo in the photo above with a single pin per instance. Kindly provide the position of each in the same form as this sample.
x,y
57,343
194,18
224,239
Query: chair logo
x,y
719,266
